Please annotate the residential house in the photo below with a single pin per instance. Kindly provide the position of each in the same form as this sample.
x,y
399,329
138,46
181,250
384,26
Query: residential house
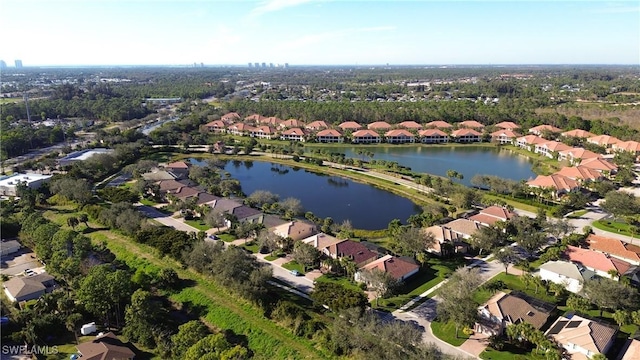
x,y
329,136
631,350
565,273
264,132
410,125
354,250
507,125
529,142
180,168
470,124
399,268
293,134
399,136
239,129
183,193
291,123
216,126
433,136
582,337
541,129
438,124
598,262
271,121
556,183
505,309
205,198
505,136
322,242
230,118
365,137
235,209
466,135
603,140
580,173
296,230
447,241
168,186
603,166
463,227
575,155
630,146
578,133
159,175
9,247
492,214
317,125
21,288
379,126
350,125
254,118
105,347
550,149
613,247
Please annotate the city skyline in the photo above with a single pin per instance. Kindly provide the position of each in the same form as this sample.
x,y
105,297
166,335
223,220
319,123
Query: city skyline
x,y
319,32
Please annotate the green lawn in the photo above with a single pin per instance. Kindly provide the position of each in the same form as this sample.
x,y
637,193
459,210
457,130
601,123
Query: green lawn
x,y
447,333
342,280
148,202
198,224
226,237
274,256
252,246
614,227
510,352
293,265
514,282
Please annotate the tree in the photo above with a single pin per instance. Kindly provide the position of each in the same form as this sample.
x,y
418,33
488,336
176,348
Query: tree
x,y
71,322
412,240
506,256
532,242
457,303
620,203
560,228
215,219
267,241
609,294
622,317
382,282
73,222
259,198
487,237
103,290
77,190
210,347
453,174
305,254
188,335
83,218
291,207
337,297
140,318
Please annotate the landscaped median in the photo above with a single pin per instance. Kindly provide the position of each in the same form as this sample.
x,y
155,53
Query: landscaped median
x,y
616,227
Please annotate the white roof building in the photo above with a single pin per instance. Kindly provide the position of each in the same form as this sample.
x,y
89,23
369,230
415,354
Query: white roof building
x,y
8,184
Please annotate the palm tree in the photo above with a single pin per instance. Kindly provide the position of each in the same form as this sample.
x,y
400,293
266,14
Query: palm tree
x,y
613,273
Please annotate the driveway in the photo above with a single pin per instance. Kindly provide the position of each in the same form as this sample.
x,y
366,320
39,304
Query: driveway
x,y
165,219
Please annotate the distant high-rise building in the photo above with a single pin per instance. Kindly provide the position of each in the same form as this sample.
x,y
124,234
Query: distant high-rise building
x,y
18,64
3,65
286,65
270,65
250,64
264,65
256,65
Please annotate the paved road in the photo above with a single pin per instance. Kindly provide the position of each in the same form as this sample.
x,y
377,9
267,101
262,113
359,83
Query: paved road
x,y
165,219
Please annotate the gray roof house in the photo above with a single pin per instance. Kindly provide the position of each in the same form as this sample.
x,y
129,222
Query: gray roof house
x,y
28,288
565,273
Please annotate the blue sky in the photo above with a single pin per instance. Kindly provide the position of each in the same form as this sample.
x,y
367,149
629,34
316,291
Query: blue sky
x,y
318,32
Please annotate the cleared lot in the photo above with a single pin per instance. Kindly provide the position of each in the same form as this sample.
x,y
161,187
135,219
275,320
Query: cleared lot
x,y
16,263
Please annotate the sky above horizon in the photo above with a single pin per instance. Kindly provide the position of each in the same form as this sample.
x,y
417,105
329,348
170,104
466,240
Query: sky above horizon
x,y
318,32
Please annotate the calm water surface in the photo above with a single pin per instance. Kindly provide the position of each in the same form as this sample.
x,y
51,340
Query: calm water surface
x,y
326,196
467,160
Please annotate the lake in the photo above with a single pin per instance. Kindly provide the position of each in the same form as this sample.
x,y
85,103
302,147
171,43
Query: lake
x,y
467,160
365,206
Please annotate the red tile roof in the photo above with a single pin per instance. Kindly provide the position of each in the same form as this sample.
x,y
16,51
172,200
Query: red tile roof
x,y
358,252
579,173
316,125
379,125
465,132
603,140
632,146
432,132
352,125
264,129
579,153
294,131
611,246
292,123
178,165
579,133
410,125
470,124
398,132
508,125
438,124
554,146
599,164
507,133
365,133
554,181
596,260
329,132
498,212
531,139
394,266
216,123
540,128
